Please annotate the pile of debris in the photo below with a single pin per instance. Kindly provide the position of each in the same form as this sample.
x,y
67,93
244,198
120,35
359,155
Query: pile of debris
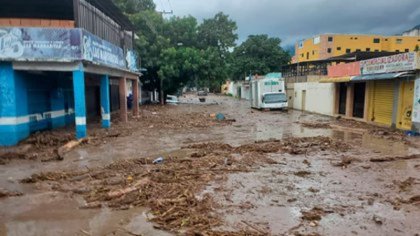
x,y
171,186
315,125
48,145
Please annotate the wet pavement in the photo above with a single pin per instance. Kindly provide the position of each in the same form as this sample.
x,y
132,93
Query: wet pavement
x,y
344,193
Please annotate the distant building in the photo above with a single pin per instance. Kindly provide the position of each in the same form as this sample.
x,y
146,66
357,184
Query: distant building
x,y
413,32
332,45
63,63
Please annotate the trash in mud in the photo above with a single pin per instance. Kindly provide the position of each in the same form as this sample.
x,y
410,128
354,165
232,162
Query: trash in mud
x,y
52,145
170,190
302,173
220,117
315,214
345,161
315,125
158,160
8,156
5,193
414,199
405,185
378,220
394,158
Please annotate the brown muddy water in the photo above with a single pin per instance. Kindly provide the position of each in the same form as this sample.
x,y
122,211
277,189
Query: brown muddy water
x,y
315,192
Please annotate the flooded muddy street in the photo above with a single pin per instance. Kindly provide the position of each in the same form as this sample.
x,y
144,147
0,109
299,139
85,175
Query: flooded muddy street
x,y
254,173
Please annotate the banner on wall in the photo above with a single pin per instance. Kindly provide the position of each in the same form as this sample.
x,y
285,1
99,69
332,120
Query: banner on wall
x,y
62,45
39,44
395,63
416,102
102,52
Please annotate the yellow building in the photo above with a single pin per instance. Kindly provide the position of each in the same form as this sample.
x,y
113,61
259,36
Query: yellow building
x,y
331,45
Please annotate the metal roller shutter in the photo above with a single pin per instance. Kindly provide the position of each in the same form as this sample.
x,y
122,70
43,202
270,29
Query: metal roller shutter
x,y
382,102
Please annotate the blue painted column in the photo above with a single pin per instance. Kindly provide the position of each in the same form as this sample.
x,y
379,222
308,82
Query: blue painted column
x,y
79,102
14,120
105,104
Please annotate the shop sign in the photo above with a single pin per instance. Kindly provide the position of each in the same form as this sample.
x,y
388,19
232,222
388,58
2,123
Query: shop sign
x,y
39,44
416,104
395,63
102,52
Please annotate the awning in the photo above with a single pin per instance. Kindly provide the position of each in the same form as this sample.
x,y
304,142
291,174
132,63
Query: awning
x,y
336,79
382,76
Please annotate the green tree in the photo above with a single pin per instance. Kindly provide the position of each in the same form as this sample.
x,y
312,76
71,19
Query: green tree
x,y
179,66
134,6
218,32
258,54
181,31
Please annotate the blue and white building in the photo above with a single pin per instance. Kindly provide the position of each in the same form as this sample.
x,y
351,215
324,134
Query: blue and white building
x,y
63,64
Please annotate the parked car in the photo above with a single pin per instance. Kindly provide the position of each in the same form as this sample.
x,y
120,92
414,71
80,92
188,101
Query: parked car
x,y
202,93
172,99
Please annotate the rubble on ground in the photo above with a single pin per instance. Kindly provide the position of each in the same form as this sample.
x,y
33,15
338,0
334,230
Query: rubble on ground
x,y
49,145
170,189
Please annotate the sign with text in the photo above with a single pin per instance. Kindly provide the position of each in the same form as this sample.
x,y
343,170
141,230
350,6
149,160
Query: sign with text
x,y
62,45
395,63
416,102
39,44
102,52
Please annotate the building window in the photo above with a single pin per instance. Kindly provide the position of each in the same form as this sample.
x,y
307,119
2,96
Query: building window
x,y
330,39
338,48
386,39
376,40
313,52
329,50
399,41
397,50
376,50
302,55
348,50
307,55
407,50
355,38
351,37
367,49
358,50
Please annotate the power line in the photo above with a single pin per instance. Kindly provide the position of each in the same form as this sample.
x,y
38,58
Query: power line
x,y
170,6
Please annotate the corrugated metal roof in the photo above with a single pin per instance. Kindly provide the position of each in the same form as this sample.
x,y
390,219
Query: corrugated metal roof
x,y
384,76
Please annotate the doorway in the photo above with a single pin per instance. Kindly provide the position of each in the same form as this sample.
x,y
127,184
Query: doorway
x,y
359,100
342,99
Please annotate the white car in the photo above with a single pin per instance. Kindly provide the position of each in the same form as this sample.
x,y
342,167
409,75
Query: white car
x,y
172,99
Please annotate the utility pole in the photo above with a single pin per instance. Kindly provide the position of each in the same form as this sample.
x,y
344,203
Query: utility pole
x,y
162,97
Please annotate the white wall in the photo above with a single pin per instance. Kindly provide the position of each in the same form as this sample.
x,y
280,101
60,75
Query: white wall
x,y
245,92
319,97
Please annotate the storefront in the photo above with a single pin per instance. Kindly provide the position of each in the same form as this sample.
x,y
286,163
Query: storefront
x,y
384,90
390,89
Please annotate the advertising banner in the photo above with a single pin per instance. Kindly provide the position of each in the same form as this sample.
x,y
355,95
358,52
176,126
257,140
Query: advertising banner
x,y
102,52
62,45
40,44
395,63
416,102
132,60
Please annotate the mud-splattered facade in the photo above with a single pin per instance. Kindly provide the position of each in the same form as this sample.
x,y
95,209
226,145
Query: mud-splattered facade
x,y
63,64
379,90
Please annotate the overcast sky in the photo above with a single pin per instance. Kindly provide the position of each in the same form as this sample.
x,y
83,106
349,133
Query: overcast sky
x,y
293,20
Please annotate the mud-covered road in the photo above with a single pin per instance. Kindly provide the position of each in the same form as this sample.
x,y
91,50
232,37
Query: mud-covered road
x,y
256,173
